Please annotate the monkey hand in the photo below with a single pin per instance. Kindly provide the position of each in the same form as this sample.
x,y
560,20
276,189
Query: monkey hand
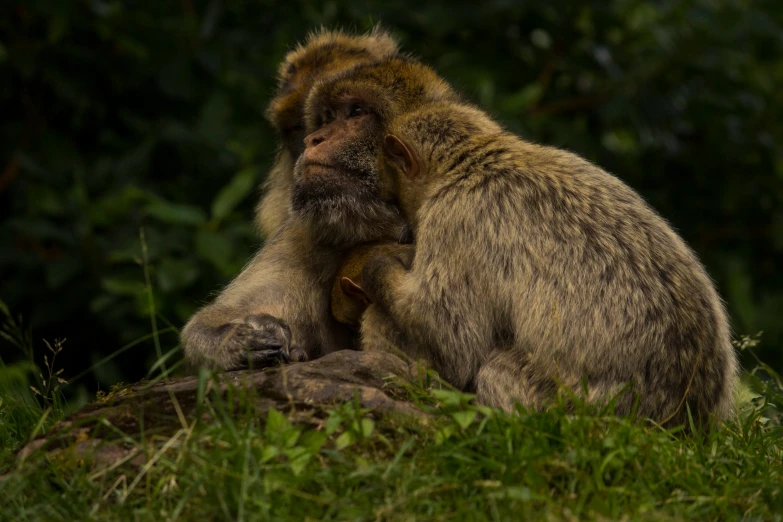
x,y
382,270
258,341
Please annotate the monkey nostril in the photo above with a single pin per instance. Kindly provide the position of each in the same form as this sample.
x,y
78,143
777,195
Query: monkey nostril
x,y
313,139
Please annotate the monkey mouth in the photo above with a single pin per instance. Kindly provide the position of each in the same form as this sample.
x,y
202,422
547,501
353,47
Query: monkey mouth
x,y
319,171
312,168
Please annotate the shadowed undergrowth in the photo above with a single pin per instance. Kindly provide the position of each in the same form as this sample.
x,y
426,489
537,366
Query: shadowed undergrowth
x,y
459,461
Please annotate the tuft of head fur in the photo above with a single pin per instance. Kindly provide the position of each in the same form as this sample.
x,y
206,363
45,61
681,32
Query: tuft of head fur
x,y
438,129
391,86
323,53
444,120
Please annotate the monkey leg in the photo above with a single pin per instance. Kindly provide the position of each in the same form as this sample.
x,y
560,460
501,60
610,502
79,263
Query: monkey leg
x,y
510,376
507,378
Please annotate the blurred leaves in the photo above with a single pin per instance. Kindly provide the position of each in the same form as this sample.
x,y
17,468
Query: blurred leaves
x,y
176,213
120,115
240,186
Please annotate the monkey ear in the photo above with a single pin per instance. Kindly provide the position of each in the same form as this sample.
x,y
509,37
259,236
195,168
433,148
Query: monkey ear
x,y
400,154
351,289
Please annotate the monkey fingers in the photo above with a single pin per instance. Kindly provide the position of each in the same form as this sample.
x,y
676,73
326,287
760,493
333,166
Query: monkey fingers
x,y
261,340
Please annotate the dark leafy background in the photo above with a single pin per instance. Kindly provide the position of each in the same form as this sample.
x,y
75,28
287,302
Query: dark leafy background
x,y
119,116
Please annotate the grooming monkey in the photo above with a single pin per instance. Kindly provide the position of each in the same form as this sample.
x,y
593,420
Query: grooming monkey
x,y
279,304
533,268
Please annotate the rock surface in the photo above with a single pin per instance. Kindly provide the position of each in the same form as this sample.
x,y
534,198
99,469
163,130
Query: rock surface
x,y
163,407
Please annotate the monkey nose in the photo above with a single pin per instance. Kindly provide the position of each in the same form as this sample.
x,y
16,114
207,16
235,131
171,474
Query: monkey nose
x,y
311,140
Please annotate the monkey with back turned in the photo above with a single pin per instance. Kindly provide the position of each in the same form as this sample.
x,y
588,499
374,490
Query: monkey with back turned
x,y
533,268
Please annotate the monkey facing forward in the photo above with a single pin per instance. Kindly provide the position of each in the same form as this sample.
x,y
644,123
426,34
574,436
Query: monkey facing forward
x,y
279,304
533,268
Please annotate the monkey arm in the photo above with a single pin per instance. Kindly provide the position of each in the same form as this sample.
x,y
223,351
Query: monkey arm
x,y
279,301
387,280
383,273
275,206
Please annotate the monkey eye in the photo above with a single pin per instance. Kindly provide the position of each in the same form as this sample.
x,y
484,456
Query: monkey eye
x,y
327,116
356,109
293,129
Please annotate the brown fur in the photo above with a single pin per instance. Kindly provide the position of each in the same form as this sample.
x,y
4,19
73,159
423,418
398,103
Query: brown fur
x,y
279,305
536,269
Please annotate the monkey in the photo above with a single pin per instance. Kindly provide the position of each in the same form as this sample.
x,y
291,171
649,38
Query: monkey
x,y
349,301
278,306
533,268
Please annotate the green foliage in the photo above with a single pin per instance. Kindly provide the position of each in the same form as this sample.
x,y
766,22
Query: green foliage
x,y
763,387
458,461
120,115
30,397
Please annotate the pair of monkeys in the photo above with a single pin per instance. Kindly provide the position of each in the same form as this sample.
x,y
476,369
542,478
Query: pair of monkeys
x,y
532,268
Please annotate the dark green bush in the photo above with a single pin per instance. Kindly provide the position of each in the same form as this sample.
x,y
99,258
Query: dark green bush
x,y
123,115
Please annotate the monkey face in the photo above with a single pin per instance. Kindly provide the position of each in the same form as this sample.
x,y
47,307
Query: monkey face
x,y
338,185
336,181
341,153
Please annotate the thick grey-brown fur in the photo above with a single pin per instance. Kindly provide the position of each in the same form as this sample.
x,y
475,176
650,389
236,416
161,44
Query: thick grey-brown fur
x,y
535,269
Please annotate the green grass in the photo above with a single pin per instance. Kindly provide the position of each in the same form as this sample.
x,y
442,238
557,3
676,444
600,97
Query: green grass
x,y
461,462
458,461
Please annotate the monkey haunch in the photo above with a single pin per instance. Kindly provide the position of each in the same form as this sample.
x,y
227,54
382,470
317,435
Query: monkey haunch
x,y
533,267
